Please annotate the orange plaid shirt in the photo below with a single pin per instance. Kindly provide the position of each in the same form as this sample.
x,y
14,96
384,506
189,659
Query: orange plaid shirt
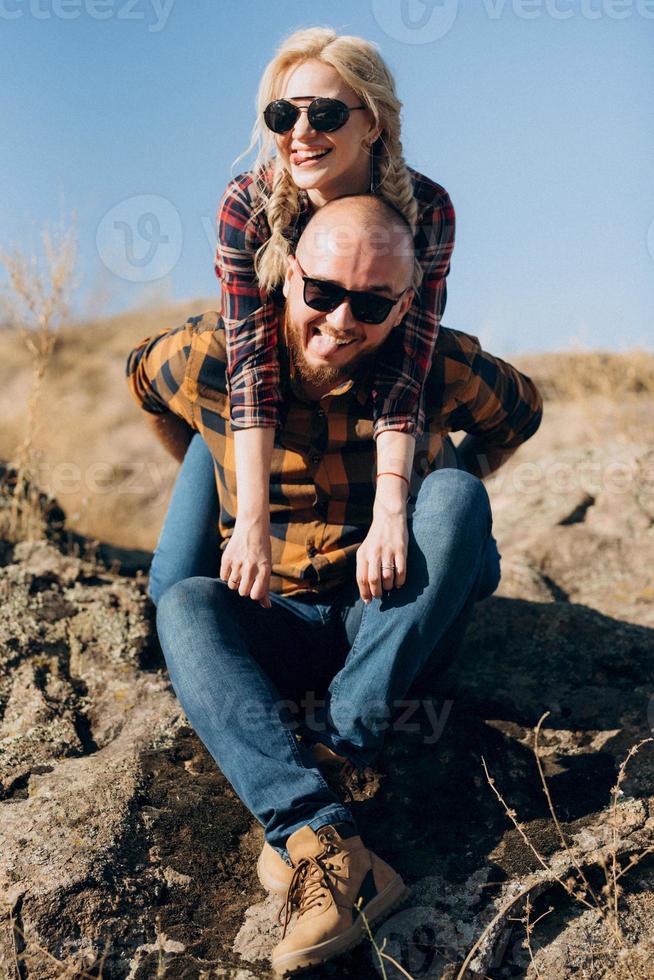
x,y
322,483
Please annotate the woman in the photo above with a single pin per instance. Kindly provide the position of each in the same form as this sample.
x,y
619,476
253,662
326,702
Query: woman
x,y
328,124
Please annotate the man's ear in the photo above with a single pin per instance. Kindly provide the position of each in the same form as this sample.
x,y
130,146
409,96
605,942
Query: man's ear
x,y
290,270
404,305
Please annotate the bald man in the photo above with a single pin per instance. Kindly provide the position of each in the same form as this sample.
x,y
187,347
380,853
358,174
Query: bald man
x,y
288,697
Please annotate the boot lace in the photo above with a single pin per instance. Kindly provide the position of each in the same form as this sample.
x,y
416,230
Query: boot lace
x,y
313,876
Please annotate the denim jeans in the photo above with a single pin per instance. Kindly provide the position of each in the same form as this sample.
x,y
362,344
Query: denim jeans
x,y
242,673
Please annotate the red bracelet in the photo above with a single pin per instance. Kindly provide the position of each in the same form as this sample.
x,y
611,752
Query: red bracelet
x,y
388,473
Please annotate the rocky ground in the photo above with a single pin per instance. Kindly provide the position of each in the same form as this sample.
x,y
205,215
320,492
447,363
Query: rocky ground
x,y
124,853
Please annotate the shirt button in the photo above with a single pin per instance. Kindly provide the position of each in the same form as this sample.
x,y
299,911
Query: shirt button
x,y
314,458
312,552
320,413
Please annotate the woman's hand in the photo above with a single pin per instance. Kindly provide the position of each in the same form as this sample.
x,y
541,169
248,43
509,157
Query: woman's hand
x,y
247,562
381,558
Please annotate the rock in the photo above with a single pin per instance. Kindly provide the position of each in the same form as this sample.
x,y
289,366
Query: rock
x,y
260,930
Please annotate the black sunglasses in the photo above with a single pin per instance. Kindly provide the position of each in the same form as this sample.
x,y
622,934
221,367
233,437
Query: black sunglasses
x,y
324,296
325,115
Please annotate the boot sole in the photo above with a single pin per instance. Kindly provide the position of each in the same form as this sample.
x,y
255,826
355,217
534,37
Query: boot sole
x,y
271,884
395,892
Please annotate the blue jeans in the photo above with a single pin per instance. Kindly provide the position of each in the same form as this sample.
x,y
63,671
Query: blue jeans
x,y
247,676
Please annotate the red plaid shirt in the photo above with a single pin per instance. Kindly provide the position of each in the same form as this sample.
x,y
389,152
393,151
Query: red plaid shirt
x,y
251,316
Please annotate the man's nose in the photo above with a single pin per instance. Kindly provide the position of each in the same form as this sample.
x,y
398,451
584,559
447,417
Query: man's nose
x,y
341,318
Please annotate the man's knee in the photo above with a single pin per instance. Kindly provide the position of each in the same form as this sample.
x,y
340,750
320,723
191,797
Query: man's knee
x,y
457,492
180,601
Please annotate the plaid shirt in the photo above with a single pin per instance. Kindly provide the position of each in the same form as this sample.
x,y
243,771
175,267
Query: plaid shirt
x,y
251,320
323,466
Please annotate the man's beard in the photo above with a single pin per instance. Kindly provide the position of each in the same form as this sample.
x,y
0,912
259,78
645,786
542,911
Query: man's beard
x,y
316,376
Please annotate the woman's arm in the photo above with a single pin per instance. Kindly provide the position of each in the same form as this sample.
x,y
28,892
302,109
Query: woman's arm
x,y
253,383
406,356
402,368
249,315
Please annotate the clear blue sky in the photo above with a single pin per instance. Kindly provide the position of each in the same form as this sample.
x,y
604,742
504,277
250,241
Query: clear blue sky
x,y
536,115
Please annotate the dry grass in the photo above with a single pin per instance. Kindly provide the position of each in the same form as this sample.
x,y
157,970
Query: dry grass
x,y
39,292
96,456
583,374
380,955
605,903
87,967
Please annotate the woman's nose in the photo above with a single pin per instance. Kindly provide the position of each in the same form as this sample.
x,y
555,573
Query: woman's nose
x,y
302,126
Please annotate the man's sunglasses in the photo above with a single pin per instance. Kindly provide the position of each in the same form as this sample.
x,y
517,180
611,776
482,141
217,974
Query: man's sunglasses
x,y
325,115
325,297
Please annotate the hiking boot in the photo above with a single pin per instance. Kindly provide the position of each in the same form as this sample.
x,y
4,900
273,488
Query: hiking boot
x,y
334,876
273,872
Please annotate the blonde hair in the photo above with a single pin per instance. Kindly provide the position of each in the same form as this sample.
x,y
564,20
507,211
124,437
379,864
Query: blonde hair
x,y
360,65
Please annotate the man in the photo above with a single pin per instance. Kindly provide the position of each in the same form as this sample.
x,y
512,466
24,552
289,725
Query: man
x,y
241,671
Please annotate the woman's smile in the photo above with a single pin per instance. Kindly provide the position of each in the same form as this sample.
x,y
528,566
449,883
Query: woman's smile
x,y
326,165
306,156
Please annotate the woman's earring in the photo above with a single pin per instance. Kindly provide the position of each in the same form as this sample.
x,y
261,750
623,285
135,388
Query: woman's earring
x,y
372,167
369,146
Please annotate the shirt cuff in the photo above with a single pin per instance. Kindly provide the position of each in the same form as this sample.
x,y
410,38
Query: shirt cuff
x,y
398,423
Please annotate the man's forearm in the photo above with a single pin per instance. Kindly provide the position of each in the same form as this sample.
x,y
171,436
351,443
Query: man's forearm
x,y
482,458
173,433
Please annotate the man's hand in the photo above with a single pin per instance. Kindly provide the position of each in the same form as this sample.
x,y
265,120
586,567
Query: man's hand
x,y
381,558
247,561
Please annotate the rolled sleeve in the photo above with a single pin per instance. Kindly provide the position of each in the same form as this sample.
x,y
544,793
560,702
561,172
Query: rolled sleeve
x,y
407,355
496,401
157,372
249,314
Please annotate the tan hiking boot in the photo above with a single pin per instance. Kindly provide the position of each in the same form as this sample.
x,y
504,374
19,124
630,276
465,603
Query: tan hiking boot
x,y
273,872
332,874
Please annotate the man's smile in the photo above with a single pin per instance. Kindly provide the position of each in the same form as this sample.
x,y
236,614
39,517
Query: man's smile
x,y
324,343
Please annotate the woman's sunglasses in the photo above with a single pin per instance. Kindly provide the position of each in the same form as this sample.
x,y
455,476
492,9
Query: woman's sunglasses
x,y
325,115
325,297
